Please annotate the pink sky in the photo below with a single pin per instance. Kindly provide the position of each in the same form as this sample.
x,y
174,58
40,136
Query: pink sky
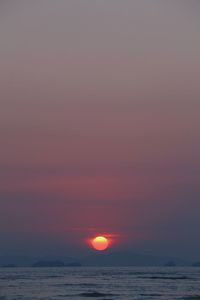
x,y
99,124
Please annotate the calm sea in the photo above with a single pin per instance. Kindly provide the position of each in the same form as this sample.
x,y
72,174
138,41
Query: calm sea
x,y
99,283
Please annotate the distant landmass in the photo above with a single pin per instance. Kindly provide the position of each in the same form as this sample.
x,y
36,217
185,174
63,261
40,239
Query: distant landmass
x,y
107,258
131,259
50,263
27,261
170,264
196,264
9,266
74,264
55,263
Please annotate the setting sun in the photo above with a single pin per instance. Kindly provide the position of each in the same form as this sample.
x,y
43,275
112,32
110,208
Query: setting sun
x,y
100,243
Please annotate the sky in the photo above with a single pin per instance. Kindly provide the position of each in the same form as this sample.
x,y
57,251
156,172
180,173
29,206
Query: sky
x,y
99,126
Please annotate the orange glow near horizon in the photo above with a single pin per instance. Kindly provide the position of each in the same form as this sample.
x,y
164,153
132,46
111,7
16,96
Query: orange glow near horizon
x,y
100,243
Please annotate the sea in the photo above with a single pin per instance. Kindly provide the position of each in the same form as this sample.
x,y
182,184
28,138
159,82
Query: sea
x,y
143,283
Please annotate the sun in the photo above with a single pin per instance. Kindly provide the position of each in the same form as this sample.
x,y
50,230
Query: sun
x,y
100,243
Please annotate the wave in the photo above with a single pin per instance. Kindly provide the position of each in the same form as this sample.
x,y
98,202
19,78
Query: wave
x,y
95,294
166,277
151,295
78,284
192,297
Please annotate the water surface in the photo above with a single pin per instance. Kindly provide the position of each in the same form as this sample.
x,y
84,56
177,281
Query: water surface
x,y
99,283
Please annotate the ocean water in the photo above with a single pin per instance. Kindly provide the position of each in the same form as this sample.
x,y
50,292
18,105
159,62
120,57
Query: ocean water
x,y
99,283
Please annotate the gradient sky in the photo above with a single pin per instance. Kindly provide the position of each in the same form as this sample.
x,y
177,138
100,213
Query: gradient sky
x,y
99,125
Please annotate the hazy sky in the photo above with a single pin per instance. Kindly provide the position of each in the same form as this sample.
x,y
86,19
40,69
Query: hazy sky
x,y
100,125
